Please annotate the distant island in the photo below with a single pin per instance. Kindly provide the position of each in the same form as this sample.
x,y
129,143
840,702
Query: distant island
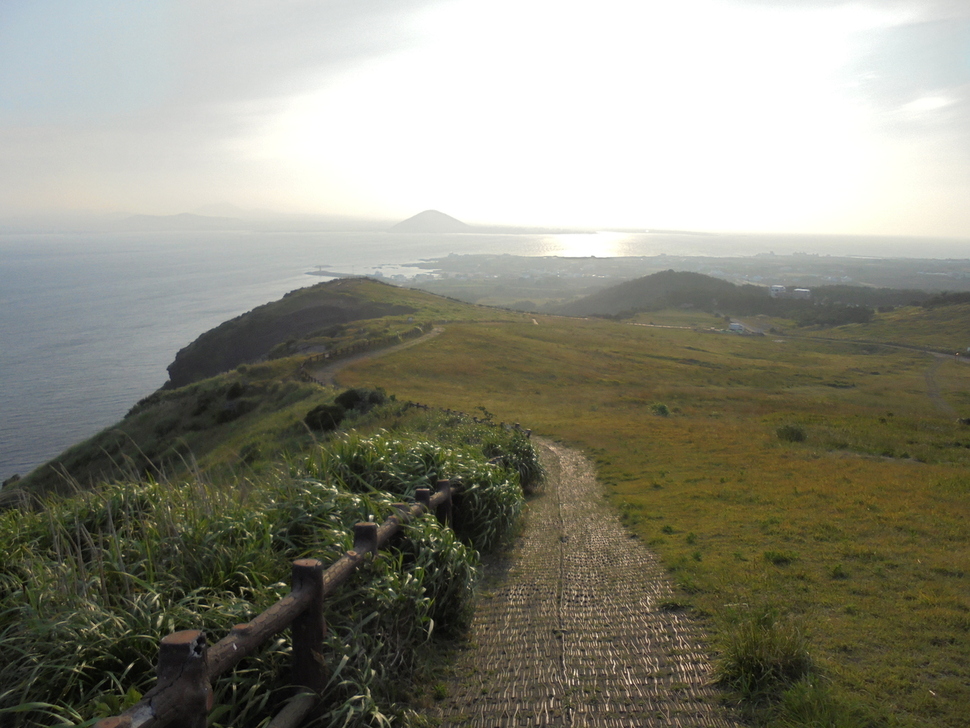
x,y
431,221
434,222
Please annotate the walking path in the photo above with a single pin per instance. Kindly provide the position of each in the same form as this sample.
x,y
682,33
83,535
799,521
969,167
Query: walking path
x,y
325,374
579,630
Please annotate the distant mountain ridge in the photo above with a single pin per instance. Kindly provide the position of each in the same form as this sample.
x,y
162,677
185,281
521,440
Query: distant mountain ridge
x,y
182,221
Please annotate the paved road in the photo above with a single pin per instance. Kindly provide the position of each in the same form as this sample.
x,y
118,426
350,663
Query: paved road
x,y
576,633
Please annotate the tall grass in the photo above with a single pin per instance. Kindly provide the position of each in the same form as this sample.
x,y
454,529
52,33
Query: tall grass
x,y
763,655
90,583
867,516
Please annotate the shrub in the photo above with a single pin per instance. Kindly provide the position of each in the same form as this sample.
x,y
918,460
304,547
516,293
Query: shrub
x,y
487,506
762,656
781,558
513,450
660,409
791,433
360,399
233,410
324,417
839,572
488,499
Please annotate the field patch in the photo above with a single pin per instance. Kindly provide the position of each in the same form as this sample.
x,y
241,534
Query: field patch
x,y
857,530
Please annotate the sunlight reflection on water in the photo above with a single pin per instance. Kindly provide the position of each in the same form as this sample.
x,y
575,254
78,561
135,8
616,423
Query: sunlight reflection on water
x,y
585,245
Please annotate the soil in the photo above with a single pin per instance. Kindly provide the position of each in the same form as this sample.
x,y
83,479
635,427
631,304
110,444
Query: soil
x,y
578,625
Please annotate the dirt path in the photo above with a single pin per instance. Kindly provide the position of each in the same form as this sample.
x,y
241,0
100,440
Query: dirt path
x,y
326,374
933,386
576,633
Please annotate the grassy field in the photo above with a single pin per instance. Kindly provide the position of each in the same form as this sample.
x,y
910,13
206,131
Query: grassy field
x,y
944,329
816,480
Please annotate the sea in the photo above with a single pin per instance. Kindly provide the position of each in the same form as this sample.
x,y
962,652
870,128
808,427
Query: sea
x,y
89,321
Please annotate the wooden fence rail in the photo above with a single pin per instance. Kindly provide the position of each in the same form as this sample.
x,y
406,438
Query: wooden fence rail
x,y
186,667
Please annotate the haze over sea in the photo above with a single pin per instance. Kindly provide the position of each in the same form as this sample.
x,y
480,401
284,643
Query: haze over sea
x,y
88,322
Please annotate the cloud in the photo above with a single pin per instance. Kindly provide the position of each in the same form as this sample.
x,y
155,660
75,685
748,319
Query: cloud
x,y
62,60
131,95
707,113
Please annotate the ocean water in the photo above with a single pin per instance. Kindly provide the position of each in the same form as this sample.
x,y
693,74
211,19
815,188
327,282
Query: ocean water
x,y
88,322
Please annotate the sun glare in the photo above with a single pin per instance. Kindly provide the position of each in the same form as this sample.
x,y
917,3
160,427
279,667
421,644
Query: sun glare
x,y
586,245
733,118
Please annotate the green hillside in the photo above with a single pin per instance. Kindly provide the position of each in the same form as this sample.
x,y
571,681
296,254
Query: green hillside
x,y
314,319
940,328
812,485
231,414
666,289
816,485
827,305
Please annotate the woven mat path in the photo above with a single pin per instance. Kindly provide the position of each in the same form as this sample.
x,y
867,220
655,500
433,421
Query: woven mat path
x,y
574,634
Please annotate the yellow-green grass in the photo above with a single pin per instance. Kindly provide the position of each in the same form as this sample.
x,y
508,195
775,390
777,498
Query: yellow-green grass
x,y
427,310
687,317
861,530
946,328
200,427
428,306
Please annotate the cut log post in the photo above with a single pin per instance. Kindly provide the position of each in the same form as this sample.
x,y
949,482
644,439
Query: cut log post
x,y
310,628
443,511
365,538
423,496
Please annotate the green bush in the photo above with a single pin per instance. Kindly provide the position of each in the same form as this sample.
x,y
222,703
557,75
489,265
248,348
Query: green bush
x,y
489,497
762,655
360,399
513,450
324,417
791,433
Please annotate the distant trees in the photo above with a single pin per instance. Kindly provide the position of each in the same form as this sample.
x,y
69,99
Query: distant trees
x,y
834,314
946,299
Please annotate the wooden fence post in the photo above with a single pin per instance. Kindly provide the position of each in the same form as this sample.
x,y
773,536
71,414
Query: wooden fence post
x,y
444,510
182,665
365,538
309,629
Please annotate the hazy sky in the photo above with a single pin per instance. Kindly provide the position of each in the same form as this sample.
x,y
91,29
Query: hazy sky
x,y
744,115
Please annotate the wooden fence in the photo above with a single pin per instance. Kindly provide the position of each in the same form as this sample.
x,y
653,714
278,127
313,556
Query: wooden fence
x,y
187,665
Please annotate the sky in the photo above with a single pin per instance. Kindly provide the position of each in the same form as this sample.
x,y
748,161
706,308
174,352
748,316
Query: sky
x,y
809,116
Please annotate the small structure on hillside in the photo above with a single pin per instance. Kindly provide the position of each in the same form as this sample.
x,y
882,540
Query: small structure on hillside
x,y
777,291
736,327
